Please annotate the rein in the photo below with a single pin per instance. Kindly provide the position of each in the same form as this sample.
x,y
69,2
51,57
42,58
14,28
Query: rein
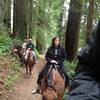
x,y
52,66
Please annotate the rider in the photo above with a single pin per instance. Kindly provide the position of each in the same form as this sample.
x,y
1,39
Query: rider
x,y
31,46
24,49
55,54
24,44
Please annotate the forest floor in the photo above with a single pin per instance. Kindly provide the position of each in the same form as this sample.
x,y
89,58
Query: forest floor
x,y
22,90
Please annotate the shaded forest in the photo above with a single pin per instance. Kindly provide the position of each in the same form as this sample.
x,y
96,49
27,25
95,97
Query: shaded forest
x,y
72,20
42,20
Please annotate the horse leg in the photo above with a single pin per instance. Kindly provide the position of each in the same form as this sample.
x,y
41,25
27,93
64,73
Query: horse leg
x,y
26,69
30,70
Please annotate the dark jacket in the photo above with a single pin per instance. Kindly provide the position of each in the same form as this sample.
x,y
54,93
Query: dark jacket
x,y
57,54
30,45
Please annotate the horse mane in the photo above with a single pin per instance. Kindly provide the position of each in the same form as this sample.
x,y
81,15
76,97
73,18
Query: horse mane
x,y
90,53
18,46
97,36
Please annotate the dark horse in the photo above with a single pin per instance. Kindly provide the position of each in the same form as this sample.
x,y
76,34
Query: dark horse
x,y
16,48
85,85
53,84
26,57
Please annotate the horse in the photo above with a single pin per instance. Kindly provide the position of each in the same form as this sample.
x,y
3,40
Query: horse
x,y
16,48
26,57
53,84
87,72
29,61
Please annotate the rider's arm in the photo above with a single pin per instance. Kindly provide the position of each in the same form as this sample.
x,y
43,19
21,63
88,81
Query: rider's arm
x,y
32,46
47,56
62,57
27,46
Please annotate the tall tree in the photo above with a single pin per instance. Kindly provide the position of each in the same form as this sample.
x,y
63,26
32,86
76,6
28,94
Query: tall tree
x,y
20,23
5,12
90,18
41,25
2,10
72,31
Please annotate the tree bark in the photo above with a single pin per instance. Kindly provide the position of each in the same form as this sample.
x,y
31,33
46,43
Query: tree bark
x,y
89,19
73,26
20,24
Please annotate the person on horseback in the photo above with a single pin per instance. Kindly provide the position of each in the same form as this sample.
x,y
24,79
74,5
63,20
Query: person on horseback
x,y
55,54
31,46
24,44
24,50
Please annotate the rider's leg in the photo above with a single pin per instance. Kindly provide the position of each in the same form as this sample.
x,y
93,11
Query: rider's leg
x,y
40,77
23,58
37,90
67,79
34,57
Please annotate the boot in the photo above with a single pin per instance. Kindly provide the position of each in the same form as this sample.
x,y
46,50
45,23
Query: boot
x,y
37,90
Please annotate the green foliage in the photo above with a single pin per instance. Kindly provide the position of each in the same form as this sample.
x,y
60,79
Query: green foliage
x,y
96,17
70,67
65,94
36,51
13,73
5,41
46,16
13,64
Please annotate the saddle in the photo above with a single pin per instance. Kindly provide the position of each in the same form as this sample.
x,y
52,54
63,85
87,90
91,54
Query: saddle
x,y
50,74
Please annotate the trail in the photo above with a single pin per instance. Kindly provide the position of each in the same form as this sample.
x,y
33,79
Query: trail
x,y
22,90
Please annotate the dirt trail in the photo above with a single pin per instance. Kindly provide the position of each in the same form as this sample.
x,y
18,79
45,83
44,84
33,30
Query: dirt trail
x,y
22,91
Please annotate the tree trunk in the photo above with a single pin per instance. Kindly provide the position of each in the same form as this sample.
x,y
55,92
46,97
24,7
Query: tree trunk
x,y
72,32
5,12
2,10
90,19
20,23
40,35
30,17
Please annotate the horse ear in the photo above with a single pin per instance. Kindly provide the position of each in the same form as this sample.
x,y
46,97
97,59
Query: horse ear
x,y
97,33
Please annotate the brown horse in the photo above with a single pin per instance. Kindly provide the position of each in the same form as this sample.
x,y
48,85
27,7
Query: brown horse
x,y
28,58
55,89
29,61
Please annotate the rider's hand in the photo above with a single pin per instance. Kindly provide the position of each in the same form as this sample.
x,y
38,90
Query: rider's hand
x,y
29,48
53,61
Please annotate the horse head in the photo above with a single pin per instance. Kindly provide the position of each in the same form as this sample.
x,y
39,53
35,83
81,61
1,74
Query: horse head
x,y
54,85
16,48
28,54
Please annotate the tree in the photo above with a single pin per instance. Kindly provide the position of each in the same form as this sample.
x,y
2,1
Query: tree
x,y
72,31
19,19
22,18
2,10
5,12
90,19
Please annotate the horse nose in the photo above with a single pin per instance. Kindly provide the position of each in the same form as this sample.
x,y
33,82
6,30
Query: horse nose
x,y
15,50
55,98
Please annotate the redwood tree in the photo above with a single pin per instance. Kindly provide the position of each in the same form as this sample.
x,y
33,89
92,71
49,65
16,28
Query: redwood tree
x,y
72,31
90,18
